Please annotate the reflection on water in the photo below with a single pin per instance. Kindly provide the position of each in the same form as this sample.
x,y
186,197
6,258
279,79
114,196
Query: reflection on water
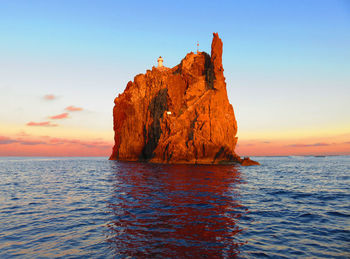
x,y
94,208
175,211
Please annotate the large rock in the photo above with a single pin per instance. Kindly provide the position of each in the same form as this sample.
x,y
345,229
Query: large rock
x,y
177,115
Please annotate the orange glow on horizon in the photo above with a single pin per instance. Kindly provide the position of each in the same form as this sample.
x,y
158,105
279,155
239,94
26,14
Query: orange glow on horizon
x,y
48,146
20,140
24,144
338,145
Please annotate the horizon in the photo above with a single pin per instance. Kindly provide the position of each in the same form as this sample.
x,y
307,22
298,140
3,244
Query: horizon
x,y
28,156
286,67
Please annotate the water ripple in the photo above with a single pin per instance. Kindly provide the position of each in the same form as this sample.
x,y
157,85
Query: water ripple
x,y
91,207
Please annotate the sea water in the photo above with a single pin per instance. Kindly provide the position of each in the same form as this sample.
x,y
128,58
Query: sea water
x,y
91,207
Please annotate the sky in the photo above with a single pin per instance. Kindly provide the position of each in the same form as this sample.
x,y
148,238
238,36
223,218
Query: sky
x,y
62,63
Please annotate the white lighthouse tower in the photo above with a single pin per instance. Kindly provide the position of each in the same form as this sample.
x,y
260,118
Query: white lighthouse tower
x,y
160,62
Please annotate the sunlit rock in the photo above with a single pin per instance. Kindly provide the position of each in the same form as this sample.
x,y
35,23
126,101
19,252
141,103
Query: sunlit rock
x,y
178,115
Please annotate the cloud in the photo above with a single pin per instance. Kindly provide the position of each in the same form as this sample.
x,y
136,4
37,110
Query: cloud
x,y
50,97
6,140
73,109
31,142
320,144
42,124
59,116
54,141
310,145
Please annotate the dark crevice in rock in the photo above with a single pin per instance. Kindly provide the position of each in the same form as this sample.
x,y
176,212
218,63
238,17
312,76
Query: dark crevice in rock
x,y
144,132
209,122
156,107
209,73
193,122
218,154
165,151
195,153
170,156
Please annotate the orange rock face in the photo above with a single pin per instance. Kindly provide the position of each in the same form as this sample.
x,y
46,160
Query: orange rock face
x,y
177,115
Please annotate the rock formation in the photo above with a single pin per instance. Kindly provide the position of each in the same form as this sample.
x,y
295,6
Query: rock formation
x,y
178,115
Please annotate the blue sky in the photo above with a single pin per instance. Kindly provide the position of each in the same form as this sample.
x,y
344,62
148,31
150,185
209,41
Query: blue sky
x,y
286,63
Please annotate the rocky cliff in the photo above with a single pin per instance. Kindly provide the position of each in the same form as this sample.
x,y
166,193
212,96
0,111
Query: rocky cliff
x,y
178,115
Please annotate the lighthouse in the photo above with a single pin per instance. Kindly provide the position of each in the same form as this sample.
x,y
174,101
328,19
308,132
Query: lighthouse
x,y
160,62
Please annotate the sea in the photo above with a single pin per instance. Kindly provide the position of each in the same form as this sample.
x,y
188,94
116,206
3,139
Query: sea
x,y
289,207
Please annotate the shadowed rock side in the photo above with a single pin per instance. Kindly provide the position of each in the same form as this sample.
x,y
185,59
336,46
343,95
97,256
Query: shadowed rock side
x,y
178,115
